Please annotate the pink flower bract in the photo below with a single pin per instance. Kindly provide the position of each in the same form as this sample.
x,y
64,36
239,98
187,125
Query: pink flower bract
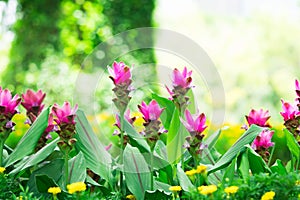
x,y
150,112
194,123
8,105
290,111
258,117
263,140
32,101
65,114
120,73
183,79
297,85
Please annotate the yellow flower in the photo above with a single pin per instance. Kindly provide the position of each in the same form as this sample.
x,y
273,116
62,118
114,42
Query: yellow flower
x,y
76,187
2,169
201,169
175,188
54,190
231,190
207,190
191,172
130,196
268,196
20,198
297,182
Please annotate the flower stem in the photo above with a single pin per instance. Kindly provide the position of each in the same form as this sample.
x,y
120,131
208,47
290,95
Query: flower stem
x,y
2,141
151,169
66,167
271,156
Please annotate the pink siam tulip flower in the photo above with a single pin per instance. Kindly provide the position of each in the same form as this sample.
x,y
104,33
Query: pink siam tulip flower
x,y
183,79
258,117
120,73
150,112
32,101
8,105
297,87
263,140
195,124
290,111
65,114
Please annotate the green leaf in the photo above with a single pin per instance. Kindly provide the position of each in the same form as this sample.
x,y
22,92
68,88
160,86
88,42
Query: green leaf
x,y
161,186
278,167
136,139
168,106
175,139
29,140
229,172
54,170
96,157
77,168
192,107
184,180
244,166
36,158
136,171
237,147
44,182
257,163
157,194
212,139
292,144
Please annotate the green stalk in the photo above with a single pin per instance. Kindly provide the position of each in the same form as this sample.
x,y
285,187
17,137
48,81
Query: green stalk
x,y
271,156
152,172
122,149
2,141
67,167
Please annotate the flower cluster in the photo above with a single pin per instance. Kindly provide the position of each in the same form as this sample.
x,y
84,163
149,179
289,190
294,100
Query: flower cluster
x,y
207,189
262,142
201,169
291,114
195,124
64,118
121,76
76,187
181,82
151,114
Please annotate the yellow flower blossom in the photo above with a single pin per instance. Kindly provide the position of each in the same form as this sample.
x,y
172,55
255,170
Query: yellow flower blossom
x,y
191,172
268,196
54,190
297,182
207,190
175,188
201,169
231,190
2,169
130,196
76,187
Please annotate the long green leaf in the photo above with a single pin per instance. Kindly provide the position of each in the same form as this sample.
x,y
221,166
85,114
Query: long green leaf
x,y
77,168
257,163
29,140
54,170
136,139
244,166
37,157
168,106
237,147
292,144
96,157
229,172
184,181
136,171
176,137
278,167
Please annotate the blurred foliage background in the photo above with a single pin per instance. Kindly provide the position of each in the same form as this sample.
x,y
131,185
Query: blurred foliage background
x,y
254,45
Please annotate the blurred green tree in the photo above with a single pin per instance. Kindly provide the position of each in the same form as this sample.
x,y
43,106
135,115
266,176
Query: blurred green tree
x,y
53,34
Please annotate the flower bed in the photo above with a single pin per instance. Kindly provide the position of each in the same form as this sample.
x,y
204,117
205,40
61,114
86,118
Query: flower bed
x,y
171,157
